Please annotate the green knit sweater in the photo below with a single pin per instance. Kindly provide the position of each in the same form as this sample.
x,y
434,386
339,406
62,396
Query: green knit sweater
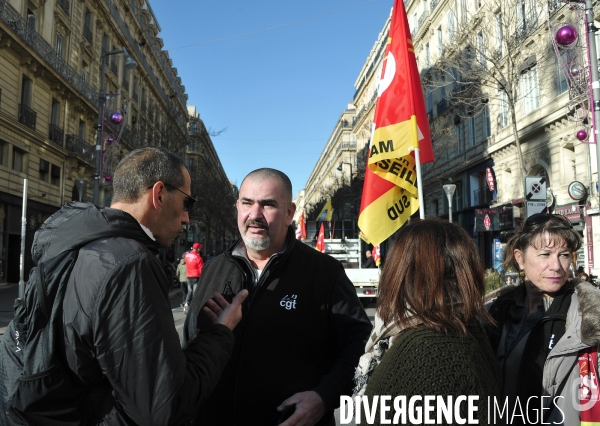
x,y
423,362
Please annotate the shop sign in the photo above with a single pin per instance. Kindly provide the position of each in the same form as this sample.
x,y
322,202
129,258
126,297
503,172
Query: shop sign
x,y
573,212
577,190
486,220
490,179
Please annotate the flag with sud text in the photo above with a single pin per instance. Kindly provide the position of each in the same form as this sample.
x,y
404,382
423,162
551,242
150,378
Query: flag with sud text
x,y
321,239
301,228
400,125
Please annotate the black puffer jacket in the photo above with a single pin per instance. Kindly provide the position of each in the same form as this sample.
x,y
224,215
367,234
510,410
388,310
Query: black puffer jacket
x,y
120,339
303,328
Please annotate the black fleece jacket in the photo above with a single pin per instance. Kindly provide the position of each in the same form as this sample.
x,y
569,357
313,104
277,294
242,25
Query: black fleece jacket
x,y
120,342
303,328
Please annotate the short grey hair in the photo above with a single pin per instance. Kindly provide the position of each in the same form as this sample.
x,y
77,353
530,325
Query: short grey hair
x,y
267,173
142,168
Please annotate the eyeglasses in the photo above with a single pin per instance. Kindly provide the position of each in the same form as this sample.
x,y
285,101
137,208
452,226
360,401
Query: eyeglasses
x,y
188,202
538,218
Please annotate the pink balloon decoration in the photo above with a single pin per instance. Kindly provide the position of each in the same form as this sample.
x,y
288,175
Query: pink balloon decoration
x,y
575,70
581,135
108,178
116,118
110,139
566,35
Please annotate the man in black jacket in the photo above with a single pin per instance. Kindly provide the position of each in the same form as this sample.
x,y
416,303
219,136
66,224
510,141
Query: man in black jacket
x,y
120,341
303,328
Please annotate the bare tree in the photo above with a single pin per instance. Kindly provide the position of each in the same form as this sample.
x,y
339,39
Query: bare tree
x,y
495,56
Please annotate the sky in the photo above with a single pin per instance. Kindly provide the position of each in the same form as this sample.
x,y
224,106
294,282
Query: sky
x,y
275,74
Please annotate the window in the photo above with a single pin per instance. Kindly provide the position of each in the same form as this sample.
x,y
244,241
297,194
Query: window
x,y
503,109
459,136
55,175
26,91
530,90
451,25
427,56
415,22
499,35
85,73
59,45
81,132
481,54
31,20
19,163
439,41
487,125
44,170
55,113
3,152
472,131
463,12
87,26
561,79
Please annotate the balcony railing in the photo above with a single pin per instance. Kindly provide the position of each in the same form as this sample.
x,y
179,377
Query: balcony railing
x,y
18,25
87,33
79,146
64,5
482,196
434,4
27,116
56,134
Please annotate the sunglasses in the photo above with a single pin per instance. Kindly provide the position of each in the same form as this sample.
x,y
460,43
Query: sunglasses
x,y
188,202
538,218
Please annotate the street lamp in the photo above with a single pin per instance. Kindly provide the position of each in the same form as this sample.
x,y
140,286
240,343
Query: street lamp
x,y
449,190
341,167
130,64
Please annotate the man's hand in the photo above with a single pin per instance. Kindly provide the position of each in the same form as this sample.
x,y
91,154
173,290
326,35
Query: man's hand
x,y
222,312
309,409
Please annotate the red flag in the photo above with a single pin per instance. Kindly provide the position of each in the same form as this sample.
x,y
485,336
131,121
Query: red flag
x,y
376,255
301,228
321,239
400,125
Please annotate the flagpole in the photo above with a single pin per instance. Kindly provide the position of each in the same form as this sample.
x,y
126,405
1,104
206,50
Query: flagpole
x,y
419,184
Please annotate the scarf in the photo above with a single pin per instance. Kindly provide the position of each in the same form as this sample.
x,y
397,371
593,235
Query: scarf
x,y
382,338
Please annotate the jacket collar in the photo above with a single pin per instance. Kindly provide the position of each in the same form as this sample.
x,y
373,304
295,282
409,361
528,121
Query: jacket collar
x,y
589,307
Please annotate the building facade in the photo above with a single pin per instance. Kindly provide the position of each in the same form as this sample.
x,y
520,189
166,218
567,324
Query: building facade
x,y
464,50
52,54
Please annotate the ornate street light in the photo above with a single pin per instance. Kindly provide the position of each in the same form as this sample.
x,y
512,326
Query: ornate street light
x,y
130,64
449,190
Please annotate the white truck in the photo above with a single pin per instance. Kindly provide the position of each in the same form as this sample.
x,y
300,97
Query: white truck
x,y
347,251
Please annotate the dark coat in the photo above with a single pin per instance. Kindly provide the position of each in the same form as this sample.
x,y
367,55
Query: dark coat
x,y
303,328
120,342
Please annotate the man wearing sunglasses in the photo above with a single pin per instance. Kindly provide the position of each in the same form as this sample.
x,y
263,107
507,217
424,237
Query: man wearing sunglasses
x,y
120,341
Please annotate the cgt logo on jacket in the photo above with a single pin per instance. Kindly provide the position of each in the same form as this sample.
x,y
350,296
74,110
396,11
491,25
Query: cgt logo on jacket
x,y
289,302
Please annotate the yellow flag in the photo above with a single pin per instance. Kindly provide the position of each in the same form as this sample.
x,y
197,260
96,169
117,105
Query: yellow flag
x,y
326,213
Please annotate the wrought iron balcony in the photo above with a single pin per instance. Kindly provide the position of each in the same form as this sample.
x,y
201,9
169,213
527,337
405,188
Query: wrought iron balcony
x,y
434,4
56,134
79,146
27,116
87,33
18,26
482,196
423,17
64,5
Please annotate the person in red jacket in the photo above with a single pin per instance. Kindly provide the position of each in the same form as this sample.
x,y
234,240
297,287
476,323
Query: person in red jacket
x,y
193,264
